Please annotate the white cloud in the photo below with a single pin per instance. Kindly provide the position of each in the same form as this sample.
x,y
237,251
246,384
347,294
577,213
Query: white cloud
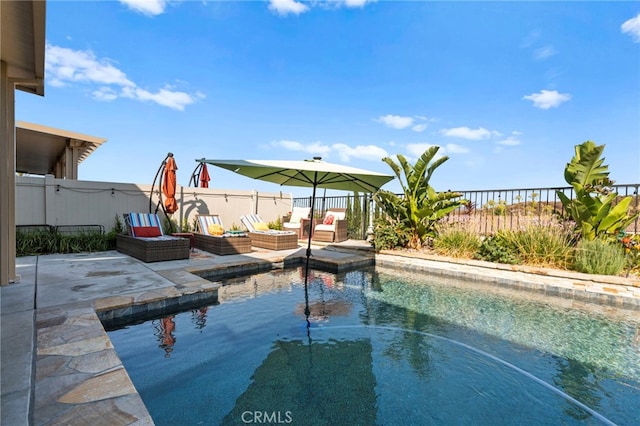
x,y
357,3
402,122
361,152
516,133
396,121
66,66
343,151
632,27
547,99
509,141
313,148
543,53
146,7
467,133
456,149
415,150
285,7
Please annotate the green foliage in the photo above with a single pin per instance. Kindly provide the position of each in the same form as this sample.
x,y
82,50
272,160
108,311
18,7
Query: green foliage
x,y
421,206
541,245
456,241
118,226
599,257
388,236
497,249
46,242
592,208
276,224
354,217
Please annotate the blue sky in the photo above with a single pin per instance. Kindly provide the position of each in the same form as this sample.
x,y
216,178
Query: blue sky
x,y
506,89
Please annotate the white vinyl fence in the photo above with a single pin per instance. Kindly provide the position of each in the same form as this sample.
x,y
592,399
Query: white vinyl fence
x,y
64,202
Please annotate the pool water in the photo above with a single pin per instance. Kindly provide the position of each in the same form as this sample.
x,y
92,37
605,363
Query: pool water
x,y
385,347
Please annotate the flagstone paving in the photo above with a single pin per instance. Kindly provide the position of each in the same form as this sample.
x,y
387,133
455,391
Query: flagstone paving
x,y
59,366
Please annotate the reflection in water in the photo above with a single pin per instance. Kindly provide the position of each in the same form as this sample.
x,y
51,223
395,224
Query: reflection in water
x,y
387,350
199,317
328,383
577,380
165,328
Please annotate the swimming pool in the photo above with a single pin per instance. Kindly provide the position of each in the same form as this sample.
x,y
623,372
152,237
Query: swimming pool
x,y
385,347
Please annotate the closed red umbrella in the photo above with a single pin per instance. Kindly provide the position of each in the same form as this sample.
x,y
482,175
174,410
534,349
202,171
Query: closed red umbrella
x,y
204,177
169,185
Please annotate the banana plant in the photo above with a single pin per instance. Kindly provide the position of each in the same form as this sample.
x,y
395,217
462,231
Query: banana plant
x,y
592,208
420,207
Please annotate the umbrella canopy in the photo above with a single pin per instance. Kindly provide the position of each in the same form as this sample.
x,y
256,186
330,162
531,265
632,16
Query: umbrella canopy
x,y
169,185
310,173
204,176
313,173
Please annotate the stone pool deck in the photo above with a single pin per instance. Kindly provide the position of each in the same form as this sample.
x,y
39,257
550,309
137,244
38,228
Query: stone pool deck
x,y
59,367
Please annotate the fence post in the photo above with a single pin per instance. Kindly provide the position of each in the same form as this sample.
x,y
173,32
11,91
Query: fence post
x,y
370,219
49,200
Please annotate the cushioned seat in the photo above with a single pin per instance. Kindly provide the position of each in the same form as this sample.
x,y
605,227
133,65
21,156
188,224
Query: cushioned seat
x,y
333,227
146,241
212,237
263,237
296,220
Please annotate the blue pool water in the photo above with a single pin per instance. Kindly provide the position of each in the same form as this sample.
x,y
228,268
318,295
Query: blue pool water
x,y
385,347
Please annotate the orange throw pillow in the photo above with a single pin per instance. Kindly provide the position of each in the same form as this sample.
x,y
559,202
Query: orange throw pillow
x,y
328,220
146,231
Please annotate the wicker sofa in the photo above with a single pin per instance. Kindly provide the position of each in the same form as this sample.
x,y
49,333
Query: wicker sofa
x,y
146,241
229,242
333,228
263,237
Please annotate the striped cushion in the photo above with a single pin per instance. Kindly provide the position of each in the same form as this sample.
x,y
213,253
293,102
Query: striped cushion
x,y
204,221
249,220
144,219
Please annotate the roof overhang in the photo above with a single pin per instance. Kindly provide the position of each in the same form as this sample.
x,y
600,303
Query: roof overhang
x,y
45,150
23,43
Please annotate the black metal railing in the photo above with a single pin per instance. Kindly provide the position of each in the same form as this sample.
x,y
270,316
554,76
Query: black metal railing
x,y
491,210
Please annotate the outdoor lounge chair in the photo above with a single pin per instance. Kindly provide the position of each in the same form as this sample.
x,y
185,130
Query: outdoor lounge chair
x,y
296,220
333,227
147,242
263,237
212,237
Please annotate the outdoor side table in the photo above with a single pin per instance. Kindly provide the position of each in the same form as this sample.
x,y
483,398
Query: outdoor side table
x,y
186,235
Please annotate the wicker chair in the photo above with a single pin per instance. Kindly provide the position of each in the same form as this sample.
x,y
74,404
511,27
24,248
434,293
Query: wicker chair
x,y
147,242
268,238
229,242
333,228
295,222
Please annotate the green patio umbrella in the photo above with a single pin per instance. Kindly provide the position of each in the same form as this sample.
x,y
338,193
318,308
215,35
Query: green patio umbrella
x,y
309,173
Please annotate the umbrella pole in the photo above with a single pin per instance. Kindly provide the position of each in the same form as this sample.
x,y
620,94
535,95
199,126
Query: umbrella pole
x,y
307,312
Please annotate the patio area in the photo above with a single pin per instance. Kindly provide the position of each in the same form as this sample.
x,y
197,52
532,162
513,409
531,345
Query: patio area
x,y
59,366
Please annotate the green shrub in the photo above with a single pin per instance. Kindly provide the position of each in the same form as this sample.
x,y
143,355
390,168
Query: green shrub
x,y
45,242
599,257
456,241
496,249
276,224
541,245
389,236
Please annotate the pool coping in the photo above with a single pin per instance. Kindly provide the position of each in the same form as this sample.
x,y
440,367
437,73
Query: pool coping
x,y
76,373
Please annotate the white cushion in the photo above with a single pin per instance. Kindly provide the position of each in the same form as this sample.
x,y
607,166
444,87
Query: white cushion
x,y
323,227
299,213
336,215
